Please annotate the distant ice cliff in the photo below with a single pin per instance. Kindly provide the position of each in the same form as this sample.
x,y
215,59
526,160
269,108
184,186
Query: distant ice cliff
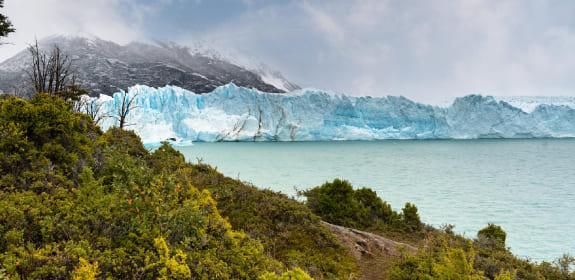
x,y
232,113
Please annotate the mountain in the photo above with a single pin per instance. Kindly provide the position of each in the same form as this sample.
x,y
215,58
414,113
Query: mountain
x,y
104,67
232,113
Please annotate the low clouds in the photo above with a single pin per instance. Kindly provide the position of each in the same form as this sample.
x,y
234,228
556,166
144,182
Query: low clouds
x,y
103,18
425,50
428,50
331,28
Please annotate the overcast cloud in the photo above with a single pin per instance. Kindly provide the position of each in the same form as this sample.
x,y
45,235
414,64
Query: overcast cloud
x,y
424,50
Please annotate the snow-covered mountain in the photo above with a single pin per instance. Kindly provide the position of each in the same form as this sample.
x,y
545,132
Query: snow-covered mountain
x,y
232,113
104,67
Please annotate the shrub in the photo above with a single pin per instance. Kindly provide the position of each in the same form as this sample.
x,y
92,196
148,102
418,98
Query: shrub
x,y
410,217
338,203
166,158
40,140
493,233
296,274
334,202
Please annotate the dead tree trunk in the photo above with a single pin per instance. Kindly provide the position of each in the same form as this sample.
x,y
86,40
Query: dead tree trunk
x,y
51,73
122,112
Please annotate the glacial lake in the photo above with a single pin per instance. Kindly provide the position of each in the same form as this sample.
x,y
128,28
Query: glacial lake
x,y
526,186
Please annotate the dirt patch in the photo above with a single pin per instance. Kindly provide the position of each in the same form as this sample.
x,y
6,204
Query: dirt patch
x,y
374,254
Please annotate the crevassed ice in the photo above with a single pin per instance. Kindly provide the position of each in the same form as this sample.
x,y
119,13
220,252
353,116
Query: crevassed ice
x,y
232,113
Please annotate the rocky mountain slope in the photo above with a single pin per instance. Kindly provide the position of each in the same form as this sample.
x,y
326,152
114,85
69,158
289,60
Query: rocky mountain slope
x,y
104,67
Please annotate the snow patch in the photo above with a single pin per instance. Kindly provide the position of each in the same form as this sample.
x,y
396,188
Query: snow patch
x,y
278,83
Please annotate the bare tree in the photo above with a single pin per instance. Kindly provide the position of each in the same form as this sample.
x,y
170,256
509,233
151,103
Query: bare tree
x,y
91,107
124,109
50,72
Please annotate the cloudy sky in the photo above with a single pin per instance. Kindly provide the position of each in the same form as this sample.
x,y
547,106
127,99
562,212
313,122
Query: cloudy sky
x,y
425,50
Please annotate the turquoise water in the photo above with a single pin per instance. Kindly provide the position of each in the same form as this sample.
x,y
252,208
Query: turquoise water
x,y
526,186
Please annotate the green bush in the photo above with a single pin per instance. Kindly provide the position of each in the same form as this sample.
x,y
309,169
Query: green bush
x,y
410,217
335,203
374,207
338,203
41,140
493,233
166,158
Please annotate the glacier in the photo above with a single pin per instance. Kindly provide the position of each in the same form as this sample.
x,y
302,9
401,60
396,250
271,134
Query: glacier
x,y
232,113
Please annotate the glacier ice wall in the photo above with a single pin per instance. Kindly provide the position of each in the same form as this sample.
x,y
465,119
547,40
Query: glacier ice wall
x,y
232,113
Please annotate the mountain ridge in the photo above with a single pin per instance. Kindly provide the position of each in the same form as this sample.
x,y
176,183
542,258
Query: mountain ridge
x,y
105,67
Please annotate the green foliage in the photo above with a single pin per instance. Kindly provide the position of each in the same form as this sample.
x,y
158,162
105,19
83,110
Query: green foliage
x,y
5,24
410,217
296,274
505,275
42,140
338,203
493,233
335,203
448,256
456,264
121,226
374,207
170,267
166,158
71,93
128,141
565,265
85,270
287,229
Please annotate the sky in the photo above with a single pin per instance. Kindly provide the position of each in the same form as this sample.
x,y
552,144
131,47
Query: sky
x,y
429,51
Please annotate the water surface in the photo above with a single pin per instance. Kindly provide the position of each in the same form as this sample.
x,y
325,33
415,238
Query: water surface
x,y
526,186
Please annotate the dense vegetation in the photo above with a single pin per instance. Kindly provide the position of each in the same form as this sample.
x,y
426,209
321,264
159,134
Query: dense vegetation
x,y
79,203
445,255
